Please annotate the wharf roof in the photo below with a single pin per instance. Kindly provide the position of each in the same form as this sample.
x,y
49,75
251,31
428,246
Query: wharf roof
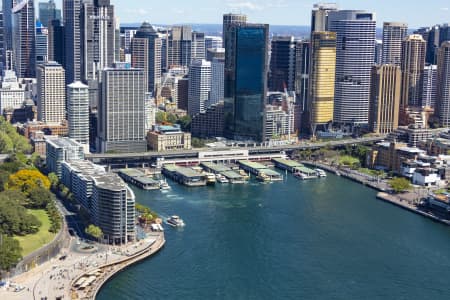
x,y
216,167
252,164
231,175
131,172
306,170
287,162
188,172
269,172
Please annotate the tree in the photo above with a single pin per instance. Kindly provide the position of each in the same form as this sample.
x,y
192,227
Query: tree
x,y
6,144
15,196
27,180
4,177
39,198
198,143
161,117
15,220
94,231
171,118
54,180
400,184
10,252
185,123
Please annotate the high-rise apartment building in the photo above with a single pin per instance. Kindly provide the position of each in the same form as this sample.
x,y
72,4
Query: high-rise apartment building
x,y
282,64
24,33
72,24
412,65
146,49
429,92
393,35
443,89
59,150
48,12
41,43
321,79
385,98
246,81
121,111
78,112
51,93
199,86
355,34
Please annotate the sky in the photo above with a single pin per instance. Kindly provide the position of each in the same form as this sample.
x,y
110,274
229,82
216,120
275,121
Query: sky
x,y
417,13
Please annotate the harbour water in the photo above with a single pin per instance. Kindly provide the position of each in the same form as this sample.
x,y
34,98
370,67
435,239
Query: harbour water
x,y
319,239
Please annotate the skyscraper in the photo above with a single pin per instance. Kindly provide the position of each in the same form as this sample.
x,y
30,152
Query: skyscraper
x,y
48,12
2,42
121,111
321,79
217,80
198,50
146,49
199,86
51,93
412,64
355,33
180,46
385,98
72,10
282,64
443,95
319,16
246,81
41,43
98,42
78,112
24,39
7,6
378,52
429,91
227,35
393,35
302,68
56,43
213,42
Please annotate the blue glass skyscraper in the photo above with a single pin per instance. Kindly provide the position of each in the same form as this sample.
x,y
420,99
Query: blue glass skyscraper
x,y
246,81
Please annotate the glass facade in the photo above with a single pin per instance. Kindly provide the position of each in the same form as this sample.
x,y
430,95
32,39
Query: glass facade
x,y
246,85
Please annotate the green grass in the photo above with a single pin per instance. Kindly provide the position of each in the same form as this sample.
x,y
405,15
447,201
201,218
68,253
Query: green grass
x,y
348,160
32,242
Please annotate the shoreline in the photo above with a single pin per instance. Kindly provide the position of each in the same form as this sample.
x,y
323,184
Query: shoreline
x,y
394,199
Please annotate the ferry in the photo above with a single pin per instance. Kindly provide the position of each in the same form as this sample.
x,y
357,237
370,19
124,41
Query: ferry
x,y
210,179
222,179
175,221
263,177
320,173
301,176
244,174
163,185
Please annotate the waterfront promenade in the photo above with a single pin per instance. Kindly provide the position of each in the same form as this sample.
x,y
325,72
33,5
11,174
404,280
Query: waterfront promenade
x,y
55,279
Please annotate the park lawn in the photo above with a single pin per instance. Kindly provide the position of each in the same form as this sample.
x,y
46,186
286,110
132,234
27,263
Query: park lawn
x,y
348,160
32,242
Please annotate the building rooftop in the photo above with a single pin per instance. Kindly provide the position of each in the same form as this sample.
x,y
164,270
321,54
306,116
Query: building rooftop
x,y
62,142
253,165
289,163
216,167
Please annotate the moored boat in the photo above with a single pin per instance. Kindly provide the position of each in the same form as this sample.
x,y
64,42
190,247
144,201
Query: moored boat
x,y
175,221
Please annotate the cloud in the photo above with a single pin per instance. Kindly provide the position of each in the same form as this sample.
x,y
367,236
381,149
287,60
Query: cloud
x,y
138,11
248,5
445,9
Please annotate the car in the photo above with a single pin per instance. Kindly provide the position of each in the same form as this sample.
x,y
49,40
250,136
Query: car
x,y
71,232
63,257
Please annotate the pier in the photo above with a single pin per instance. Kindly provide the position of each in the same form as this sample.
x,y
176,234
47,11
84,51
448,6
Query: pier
x,y
223,170
139,179
185,176
260,170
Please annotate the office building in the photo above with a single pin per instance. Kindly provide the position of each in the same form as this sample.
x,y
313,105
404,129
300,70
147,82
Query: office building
x,y
150,110
412,64
107,199
319,16
198,50
97,38
7,7
146,47
199,86
443,86
393,35
217,81
48,12
355,35
210,123
166,138
121,122
321,79
279,124
51,98
282,64
429,91
2,43
179,48
169,90
56,43
59,150
302,68
72,26
129,35
214,53
213,42
12,93
24,32
246,81
378,52
41,43
228,35
78,112
385,98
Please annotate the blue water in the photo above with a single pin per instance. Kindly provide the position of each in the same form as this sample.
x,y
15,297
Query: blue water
x,y
319,239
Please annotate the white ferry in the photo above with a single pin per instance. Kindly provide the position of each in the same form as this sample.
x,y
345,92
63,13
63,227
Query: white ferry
x,y
320,173
222,179
163,185
175,221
